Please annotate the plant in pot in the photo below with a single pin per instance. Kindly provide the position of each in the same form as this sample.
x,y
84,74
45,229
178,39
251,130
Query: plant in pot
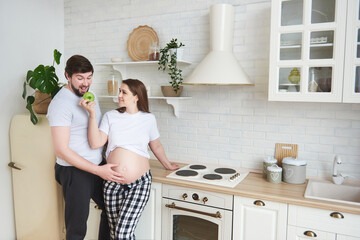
x,y
45,82
168,60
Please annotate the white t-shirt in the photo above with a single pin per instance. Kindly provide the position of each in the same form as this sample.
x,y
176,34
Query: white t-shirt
x,y
129,131
64,110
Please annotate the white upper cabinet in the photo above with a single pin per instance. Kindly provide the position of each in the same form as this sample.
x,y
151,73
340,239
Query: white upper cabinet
x,y
308,62
352,55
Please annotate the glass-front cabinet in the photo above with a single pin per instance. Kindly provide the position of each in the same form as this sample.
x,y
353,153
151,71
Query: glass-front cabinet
x,y
307,57
352,55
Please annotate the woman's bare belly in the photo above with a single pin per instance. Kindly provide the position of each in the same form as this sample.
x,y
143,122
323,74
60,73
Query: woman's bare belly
x,y
130,165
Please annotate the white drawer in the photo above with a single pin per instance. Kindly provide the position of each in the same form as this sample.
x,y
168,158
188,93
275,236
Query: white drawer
x,y
213,199
321,220
296,233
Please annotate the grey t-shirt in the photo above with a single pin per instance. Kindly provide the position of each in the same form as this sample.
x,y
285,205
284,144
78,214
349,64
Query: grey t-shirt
x,y
64,110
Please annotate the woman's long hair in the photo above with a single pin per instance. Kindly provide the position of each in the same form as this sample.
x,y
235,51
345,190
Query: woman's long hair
x,y
136,87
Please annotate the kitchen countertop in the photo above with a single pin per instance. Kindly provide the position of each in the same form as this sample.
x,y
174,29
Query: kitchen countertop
x,y
254,186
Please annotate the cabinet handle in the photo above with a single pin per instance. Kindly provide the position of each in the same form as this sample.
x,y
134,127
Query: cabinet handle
x,y
310,234
12,165
259,203
215,215
336,215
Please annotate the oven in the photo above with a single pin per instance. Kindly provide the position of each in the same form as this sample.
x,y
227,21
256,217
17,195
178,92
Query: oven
x,y
191,214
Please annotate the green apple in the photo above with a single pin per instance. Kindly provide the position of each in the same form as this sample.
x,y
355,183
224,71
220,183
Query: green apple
x,y
89,96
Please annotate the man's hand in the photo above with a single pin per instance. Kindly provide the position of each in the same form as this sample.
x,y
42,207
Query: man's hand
x,y
107,173
89,106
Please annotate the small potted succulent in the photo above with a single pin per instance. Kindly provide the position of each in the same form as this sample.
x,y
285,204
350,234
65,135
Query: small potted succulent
x,y
168,60
45,82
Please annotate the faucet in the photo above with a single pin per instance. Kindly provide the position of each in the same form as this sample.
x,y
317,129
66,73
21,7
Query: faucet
x,y
337,178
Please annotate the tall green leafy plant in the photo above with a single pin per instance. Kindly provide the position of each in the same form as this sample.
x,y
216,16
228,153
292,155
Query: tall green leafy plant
x,y
44,79
175,72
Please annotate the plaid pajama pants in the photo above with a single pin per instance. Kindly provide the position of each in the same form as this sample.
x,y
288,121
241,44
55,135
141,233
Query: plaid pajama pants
x,y
124,204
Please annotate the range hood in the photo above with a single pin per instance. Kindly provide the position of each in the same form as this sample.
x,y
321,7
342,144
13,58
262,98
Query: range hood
x,y
220,66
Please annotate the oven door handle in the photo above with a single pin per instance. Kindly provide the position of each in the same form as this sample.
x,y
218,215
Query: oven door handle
x,y
173,205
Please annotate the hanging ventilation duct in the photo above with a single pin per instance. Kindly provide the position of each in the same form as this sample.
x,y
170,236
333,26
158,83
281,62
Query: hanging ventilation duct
x,y
220,66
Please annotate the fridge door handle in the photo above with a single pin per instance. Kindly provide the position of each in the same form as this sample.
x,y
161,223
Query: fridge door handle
x,y
12,165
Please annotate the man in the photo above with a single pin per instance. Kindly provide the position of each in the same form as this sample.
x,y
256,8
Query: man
x,y
79,169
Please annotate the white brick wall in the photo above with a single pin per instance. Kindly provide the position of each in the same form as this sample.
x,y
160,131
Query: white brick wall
x,y
230,125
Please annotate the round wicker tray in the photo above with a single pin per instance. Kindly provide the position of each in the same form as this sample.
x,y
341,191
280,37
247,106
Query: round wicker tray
x,y
139,42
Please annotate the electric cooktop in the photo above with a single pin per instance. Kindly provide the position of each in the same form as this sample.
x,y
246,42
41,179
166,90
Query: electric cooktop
x,y
214,175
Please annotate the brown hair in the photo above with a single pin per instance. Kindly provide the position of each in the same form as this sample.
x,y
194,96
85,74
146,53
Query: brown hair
x,y
136,87
78,64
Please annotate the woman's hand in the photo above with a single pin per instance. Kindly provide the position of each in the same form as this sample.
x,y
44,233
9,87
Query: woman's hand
x,y
173,166
89,106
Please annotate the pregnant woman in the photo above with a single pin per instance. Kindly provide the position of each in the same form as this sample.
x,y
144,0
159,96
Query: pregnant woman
x,y
129,130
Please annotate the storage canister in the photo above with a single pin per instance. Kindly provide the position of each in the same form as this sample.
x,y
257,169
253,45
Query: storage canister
x,y
294,170
268,161
274,174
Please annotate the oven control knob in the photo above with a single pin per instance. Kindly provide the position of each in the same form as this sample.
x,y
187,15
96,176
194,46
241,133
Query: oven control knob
x,y
205,199
195,197
184,196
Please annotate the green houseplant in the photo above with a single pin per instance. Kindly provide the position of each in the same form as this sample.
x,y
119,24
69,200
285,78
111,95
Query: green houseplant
x,y
42,79
168,60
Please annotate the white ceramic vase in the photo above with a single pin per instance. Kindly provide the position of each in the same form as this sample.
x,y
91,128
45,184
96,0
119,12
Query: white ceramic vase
x,y
179,53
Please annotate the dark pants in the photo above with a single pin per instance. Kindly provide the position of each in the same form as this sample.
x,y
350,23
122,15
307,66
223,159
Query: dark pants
x,y
78,188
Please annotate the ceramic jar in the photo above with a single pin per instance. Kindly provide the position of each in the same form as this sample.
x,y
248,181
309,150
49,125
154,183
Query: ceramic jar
x,y
294,170
274,174
268,161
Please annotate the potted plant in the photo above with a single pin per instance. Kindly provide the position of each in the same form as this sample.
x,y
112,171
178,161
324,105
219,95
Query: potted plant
x,y
168,60
45,82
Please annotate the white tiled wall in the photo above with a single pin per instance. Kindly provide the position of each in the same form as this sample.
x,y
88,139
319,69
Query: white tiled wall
x,y
231,125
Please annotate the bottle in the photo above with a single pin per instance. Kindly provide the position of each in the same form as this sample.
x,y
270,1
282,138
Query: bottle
x,y
154,52
113,83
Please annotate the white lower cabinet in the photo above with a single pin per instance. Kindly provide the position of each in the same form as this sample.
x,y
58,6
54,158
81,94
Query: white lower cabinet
x,y
259,219
93,222
149,226
313,223
253,219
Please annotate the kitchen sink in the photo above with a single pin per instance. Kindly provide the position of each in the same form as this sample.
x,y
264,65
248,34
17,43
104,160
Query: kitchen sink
x,y
327,190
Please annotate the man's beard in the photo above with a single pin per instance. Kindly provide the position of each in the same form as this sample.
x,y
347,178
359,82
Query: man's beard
x,y
76,91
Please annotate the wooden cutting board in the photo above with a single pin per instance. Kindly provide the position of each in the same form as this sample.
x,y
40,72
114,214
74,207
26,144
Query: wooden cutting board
x,y
283,150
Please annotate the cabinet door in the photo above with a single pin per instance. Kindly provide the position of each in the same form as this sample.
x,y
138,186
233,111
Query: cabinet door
x,y
352,57
93,222
149,226
343,237
307,50
299,233
257,219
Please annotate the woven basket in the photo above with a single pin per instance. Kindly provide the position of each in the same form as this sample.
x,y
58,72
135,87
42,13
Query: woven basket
x,y
168,91
42,101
